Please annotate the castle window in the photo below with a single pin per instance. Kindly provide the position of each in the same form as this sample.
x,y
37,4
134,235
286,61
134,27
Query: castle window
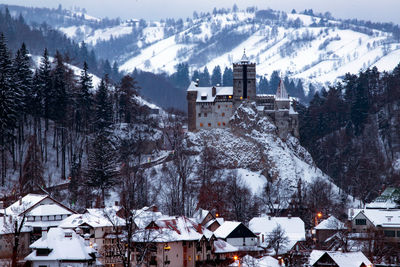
x,y
249,82
223,114
219,106
219,124
199,115
201,124
223,123
209,124
205,114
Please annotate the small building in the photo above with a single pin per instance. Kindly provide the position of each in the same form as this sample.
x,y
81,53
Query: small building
x,y
61,248
238,235
387,221
292,226
388,199
327,228
342,259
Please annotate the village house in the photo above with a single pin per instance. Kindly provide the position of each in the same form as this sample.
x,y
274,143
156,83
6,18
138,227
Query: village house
x,y
213,106
327,228
61,248
293,228
239,236
386,221
339,259
388,199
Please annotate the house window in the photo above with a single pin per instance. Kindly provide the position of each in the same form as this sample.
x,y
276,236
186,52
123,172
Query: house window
x,y
209,124
223,114
361,222
201,124
398,233
389,233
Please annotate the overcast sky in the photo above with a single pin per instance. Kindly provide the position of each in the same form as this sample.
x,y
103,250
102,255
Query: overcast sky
x,y
382,10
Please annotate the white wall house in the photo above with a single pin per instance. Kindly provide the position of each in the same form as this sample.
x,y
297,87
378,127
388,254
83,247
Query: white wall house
x,y
238,235
61,248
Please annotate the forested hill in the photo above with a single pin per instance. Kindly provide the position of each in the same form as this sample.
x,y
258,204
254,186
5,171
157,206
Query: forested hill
x,y
353,131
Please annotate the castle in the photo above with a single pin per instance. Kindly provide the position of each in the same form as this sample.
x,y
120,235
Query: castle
x,y
212,107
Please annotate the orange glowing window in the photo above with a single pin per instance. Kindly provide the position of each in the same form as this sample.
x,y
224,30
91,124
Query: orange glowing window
x,y
223,114
201,124
241,97
219,124
230,106
223,123
209,124
230,97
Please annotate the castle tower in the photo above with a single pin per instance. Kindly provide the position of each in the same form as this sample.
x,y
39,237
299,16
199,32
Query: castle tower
x,y
191,99
244,80
282,100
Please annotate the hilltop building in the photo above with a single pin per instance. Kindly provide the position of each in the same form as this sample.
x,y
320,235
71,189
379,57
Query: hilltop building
x,y
212,107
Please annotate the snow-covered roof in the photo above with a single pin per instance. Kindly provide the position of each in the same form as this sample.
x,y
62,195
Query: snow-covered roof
x,y
315,255
49,209
220,246
205,93
387,200
75,220
7,225
200,215
62,247
293,226
331,223
347,259
226,228
249,261
383,218
170,229
24,203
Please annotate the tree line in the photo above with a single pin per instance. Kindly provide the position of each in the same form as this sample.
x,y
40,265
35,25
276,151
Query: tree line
x,y
351,130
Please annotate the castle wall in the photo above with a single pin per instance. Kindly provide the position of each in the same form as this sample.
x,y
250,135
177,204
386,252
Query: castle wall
x,y
191,99
213,115
244,82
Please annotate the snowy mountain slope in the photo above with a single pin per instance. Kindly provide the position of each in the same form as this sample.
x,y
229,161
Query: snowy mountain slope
x,y
310,48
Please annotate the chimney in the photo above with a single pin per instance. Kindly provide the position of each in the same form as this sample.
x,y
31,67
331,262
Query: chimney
x,y
289,216
214,91
44,233
197,83
87,239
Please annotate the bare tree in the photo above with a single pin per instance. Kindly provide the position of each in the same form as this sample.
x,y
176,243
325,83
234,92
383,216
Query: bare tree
x,y
277,239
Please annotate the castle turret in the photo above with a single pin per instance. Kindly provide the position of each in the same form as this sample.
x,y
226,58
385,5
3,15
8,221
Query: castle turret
x,y
191,99
244,80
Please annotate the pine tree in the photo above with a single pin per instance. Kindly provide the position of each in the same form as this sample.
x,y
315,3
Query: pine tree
x,y
101,171
8,104
23,77
32,177
103,107
263,85
45,84
274,82
84,98
216,76
205,78
227,77
127,89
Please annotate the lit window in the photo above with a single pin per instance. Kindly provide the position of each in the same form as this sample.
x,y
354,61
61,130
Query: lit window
x,y
230,106
241,97
201,124
223,123
230,97
219,124
223,114
209,124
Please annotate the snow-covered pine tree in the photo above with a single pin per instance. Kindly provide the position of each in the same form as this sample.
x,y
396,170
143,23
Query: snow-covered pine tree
x,y
8,104
32,173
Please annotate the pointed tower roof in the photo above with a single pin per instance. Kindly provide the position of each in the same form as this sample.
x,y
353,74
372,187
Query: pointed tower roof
x,y
244,57
281,93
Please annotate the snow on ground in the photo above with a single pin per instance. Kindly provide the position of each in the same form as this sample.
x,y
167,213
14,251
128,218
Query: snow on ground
x,y
106,34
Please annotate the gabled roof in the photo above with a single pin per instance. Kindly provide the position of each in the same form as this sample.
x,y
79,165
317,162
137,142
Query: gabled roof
x,y
201,214
294,226
383,218
220,246
25,203
31,201
48,210
62,248
330,223
346,259
232,229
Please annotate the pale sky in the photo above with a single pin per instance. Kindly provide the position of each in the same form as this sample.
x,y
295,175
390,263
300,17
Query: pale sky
x,y
381,11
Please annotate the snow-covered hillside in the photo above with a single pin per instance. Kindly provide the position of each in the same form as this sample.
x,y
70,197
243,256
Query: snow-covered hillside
x,y
301,46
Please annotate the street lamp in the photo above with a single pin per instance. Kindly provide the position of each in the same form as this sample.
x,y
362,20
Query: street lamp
x,y
236,258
